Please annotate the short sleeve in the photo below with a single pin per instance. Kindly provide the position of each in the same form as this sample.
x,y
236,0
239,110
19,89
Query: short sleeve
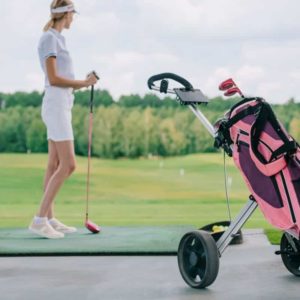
x,y
48,46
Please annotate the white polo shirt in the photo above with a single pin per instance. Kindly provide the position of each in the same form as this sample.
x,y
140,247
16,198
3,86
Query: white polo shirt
x,y
52,43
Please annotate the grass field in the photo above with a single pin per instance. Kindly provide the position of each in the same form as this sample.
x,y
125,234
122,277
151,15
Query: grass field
x,y
180,190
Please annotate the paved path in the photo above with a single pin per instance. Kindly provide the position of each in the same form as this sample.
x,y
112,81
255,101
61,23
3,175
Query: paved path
x,y
248,271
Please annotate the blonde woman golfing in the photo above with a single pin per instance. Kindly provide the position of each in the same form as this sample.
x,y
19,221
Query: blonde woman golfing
x,y
57,115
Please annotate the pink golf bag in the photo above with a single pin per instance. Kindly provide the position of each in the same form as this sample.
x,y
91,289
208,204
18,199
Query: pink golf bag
x,y
269,159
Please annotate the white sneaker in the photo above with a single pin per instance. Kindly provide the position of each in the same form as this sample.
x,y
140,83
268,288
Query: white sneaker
x,y
60,227
44,229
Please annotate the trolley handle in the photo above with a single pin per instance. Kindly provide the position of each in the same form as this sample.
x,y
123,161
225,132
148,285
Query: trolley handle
x,y
164,83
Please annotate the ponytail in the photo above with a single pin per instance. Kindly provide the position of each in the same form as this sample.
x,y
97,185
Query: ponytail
x,y
49,25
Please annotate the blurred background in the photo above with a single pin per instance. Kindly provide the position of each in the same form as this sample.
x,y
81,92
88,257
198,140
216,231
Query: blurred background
x,y
153,162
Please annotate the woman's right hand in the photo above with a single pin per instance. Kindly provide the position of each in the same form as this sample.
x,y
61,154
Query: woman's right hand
x,y
91,80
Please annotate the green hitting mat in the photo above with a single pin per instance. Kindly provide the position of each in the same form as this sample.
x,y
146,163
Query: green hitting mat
x,y
110,241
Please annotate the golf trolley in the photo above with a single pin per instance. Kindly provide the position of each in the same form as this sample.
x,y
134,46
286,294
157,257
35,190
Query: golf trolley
x,y
199,251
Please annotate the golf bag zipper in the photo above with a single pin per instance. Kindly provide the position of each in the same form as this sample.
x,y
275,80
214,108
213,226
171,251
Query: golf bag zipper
x,y
243,132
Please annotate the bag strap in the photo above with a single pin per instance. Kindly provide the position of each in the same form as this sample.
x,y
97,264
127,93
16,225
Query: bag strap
x,y
256,130
228,123
266,114
242,114
290,148
245,100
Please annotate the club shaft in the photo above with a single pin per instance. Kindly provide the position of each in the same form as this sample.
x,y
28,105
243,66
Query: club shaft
x,y
89,154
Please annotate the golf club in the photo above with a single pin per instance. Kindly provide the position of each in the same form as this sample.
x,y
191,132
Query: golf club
x,y
232,91
230,88
227,84
94,228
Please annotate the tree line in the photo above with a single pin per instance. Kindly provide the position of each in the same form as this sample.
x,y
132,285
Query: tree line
x,y
133,126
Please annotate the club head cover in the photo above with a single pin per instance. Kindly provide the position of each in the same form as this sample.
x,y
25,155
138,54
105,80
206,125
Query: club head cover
x,y
232,91
227,84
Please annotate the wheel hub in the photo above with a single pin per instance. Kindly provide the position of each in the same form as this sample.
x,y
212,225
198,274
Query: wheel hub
x,y
193,259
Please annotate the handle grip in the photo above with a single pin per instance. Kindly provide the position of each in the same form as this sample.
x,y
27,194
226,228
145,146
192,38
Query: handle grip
x,y
95,74
92,90
92,99
172,76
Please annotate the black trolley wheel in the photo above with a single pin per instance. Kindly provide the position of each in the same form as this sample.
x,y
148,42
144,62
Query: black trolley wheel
x,y
198,259
290,258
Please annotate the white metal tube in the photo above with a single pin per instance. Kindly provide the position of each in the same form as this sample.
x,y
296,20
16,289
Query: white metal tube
x,y
203,120
236,225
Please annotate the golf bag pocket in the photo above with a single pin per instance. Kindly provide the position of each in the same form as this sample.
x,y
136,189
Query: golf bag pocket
x,y
269,160
266,187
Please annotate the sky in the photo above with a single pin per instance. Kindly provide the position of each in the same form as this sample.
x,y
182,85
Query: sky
x,y
255,42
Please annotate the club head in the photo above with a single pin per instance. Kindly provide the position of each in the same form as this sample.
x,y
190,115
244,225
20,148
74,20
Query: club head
x,y
232,91
227,84
92,227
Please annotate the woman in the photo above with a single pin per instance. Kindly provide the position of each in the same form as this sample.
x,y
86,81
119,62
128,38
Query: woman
x,y
56,114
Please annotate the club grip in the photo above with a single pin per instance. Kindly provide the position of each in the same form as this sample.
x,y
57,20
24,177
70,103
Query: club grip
x,y
172,76
96,75
92,99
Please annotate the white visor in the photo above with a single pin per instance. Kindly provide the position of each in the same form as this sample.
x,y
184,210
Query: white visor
x,y
63,9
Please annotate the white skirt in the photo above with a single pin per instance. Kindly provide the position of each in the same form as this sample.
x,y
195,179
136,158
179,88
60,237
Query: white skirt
x,y
57,114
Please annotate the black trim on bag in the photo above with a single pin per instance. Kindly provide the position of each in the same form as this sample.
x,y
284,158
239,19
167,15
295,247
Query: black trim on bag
x,y
251,110
269,148
243,143
266,114
244,132
273,179
243,102
296,186
288,197
261,141
289,148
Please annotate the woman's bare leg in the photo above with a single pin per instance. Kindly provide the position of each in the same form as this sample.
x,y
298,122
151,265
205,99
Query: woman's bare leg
x,y
66,167
51,168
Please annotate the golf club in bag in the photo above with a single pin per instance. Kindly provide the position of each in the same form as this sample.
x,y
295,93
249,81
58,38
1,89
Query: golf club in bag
x,y
269,161
94,228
